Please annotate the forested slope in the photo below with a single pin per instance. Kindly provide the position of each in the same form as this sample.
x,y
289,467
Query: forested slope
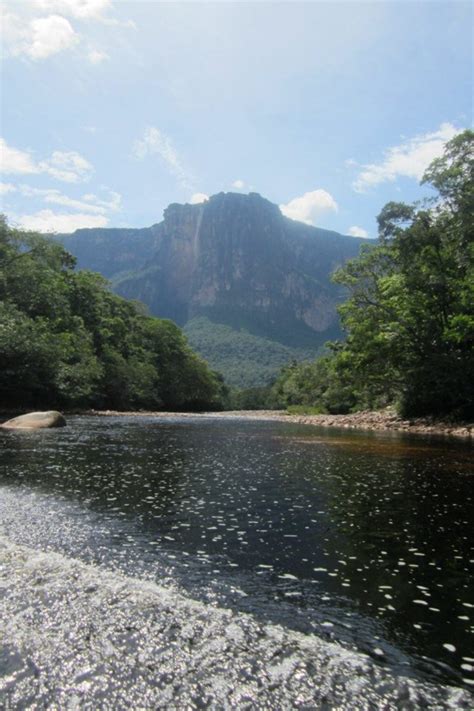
x,y
67,340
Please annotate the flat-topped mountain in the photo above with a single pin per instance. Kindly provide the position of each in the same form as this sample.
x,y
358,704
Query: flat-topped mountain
x,y
250,286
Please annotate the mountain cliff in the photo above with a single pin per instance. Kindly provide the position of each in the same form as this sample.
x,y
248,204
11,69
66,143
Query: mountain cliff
x,y
233,261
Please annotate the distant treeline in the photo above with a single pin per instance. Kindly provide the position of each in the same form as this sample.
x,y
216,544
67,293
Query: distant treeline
x,y
247,360
409,317
66,340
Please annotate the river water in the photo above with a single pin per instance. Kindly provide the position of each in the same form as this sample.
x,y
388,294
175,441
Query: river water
x,y
287,566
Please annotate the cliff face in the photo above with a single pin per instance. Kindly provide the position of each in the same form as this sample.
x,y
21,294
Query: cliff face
x,y
235,260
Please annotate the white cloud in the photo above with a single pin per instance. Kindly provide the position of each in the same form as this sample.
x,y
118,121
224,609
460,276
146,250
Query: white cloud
x,y
309,206
97,57
39,29
113,203
96,10
57,198
357,231
239,184
6,188
89,203
89,211
80,9
49,221
409,159
197,198
49,35
67,166
155,142
13,31
13,160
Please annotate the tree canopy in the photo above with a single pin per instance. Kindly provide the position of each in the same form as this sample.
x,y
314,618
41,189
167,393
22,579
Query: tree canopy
x,y
67,340
409,317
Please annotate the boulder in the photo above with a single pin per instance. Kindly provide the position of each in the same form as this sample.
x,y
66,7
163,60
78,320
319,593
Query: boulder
x,y
36,421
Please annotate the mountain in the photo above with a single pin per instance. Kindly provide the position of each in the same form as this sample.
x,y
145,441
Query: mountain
x,y
244,281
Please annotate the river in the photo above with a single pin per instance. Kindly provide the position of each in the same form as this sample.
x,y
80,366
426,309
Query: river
x,y
287,566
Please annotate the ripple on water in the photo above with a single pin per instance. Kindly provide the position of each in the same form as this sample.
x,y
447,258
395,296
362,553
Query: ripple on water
x,y
100,637
381,531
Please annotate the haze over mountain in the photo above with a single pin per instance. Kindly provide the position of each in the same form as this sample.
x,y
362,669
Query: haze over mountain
x,y
250,287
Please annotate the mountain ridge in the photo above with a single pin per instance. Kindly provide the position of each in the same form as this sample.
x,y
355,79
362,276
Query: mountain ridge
x,y
234,260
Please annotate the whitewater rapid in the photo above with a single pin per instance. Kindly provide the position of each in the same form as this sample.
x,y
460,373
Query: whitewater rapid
x,y
75,636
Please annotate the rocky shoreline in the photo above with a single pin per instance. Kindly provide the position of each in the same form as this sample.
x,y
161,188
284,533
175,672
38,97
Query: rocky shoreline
x,y
374,421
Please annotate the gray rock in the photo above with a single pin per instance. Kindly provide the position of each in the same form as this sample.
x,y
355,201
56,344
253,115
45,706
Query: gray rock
x,y
36,421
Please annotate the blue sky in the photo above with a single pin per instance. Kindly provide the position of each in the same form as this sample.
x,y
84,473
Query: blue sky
x,y
112,110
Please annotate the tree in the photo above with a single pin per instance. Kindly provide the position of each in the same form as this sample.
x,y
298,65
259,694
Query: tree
x,y
410,315
66,339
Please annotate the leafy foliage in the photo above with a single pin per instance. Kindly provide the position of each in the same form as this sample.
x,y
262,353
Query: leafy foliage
x,y
321,385
259,398
248,361
65,339
410,314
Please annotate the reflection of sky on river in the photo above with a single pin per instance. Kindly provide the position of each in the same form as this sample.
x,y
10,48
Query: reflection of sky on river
x,y
375,526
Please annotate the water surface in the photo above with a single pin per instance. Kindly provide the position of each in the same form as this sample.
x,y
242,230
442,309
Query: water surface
x,y
361,538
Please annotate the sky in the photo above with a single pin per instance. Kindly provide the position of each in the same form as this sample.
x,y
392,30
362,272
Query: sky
x,y
112,110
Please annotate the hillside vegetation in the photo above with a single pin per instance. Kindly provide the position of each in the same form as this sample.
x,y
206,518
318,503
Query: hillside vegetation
x,y
67,340
248,361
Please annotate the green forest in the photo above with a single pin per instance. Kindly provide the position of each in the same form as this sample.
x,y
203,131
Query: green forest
x,y
67,341
246,359
409,316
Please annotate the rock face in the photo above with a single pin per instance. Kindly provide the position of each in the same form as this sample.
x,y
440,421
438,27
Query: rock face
x,y
36,421
234,260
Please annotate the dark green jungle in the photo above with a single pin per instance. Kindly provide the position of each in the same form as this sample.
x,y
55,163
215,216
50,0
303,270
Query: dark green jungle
x,y
66,340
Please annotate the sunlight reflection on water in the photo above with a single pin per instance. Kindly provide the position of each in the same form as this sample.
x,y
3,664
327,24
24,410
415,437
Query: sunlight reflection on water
x,y
364,537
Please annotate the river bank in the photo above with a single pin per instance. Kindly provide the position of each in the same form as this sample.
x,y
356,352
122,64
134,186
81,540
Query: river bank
x,y
367,420
383,420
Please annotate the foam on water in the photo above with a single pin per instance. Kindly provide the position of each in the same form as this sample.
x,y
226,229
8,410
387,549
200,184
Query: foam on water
x,y
80,636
